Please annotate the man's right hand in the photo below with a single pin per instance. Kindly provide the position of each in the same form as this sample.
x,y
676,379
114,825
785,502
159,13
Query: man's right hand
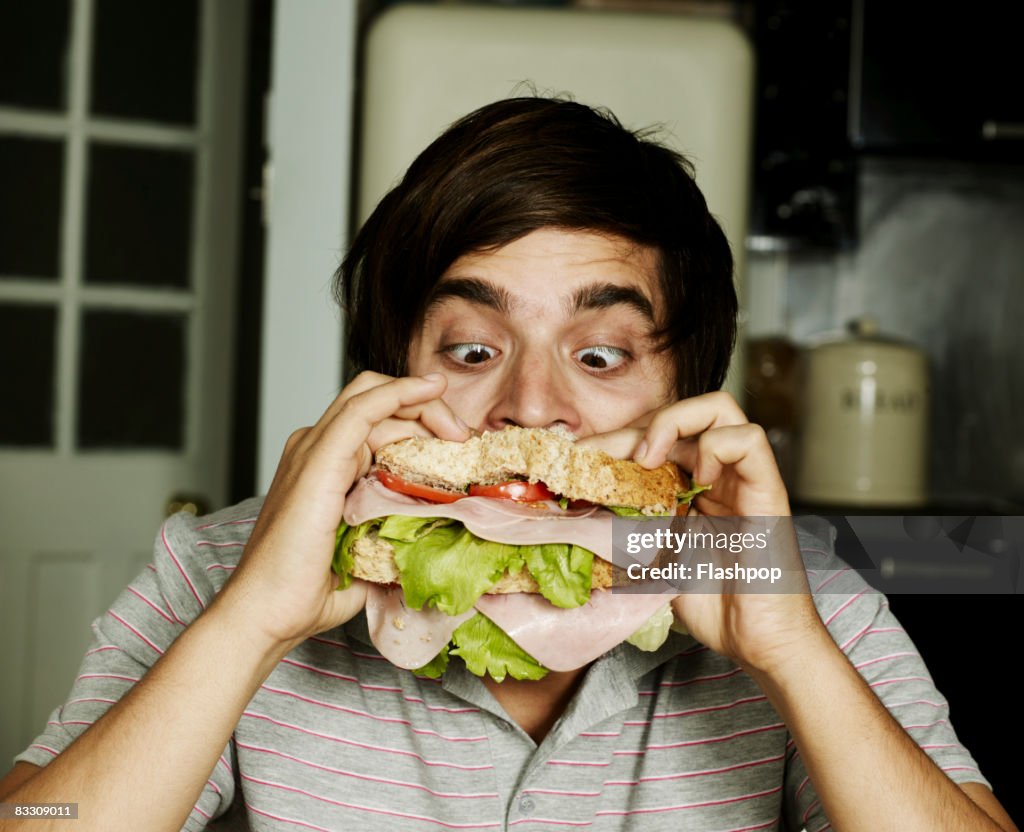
x,y
284,583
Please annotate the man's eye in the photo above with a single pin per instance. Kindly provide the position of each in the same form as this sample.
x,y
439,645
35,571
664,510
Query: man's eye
x,y
471,353
601,358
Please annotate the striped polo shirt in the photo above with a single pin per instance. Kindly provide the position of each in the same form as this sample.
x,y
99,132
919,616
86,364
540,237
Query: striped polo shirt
x,y
337,738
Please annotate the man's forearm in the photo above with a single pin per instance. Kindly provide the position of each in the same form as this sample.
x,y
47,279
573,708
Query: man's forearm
x,y
867,771
145,762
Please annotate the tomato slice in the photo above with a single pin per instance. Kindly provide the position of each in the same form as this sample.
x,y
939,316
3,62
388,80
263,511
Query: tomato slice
x,y
415,489
521,492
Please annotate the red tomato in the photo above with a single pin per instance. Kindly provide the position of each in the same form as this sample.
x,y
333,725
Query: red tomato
x,y
521,492
415,489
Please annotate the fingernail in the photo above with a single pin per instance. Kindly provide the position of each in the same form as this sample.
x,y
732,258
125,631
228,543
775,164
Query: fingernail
x,y
641,451
432,377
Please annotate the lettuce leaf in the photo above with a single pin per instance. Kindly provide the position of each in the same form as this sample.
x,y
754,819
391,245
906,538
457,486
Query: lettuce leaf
x,y
688,497
410,529
485,648
626,511
342,562
436,666
449,568
442,564
564,572
654,631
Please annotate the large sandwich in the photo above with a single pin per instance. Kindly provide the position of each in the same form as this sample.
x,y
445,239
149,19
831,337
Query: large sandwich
x,y
499,550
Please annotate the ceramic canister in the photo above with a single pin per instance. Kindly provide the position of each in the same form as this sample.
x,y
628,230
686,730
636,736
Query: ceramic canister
x,y
865,430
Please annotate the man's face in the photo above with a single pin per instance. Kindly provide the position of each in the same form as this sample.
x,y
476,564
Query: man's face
x,y
552,329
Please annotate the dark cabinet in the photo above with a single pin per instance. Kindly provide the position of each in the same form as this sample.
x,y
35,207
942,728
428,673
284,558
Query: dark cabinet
x,y
839,80
937,79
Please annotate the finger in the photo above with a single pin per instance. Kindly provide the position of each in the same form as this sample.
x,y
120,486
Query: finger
x,y
743,447
395,430
366,380
344,437
687,418
621,444
438,418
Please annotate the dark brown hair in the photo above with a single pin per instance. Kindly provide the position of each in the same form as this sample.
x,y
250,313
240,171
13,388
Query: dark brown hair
x,y
522,164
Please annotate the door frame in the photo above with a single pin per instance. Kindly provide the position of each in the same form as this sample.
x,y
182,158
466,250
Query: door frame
x,y
309,137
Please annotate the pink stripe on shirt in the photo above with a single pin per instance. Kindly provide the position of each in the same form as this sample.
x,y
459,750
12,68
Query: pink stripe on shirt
x,y
811,808
831,578
181,569
688,743
368,715
372,809
696,680
281,819
848,602
868,631
722,802
890,657
153,606
244,522
381,748
358,776
118,618
683,775
385,688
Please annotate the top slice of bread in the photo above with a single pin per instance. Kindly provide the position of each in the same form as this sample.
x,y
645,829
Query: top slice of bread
x,y
539,455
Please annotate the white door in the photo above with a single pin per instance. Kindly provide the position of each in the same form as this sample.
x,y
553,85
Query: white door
x,y
120,162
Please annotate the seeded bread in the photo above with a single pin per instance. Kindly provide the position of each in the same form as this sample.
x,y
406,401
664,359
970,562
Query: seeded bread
x,y
374,561
537,454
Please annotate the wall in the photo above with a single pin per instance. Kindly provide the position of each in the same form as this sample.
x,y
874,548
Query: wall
x,y
940,262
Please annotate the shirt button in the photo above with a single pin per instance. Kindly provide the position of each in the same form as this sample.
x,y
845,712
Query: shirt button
x,y
526,804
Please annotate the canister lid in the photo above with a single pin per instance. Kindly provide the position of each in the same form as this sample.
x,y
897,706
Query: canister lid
x,y
864,337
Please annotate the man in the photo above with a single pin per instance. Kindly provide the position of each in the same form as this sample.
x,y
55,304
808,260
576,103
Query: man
x,y
538,266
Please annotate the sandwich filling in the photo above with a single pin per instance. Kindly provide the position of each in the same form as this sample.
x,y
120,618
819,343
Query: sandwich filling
x,y
513,588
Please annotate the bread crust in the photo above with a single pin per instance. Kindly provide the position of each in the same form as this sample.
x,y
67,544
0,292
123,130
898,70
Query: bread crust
x,y
539,455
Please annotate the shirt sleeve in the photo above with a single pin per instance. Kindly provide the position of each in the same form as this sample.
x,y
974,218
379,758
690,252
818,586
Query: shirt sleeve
x,y
859,620
127,640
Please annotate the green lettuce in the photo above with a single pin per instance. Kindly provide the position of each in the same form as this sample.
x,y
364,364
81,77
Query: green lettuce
x,y
626,511
564,572
343,562
436,666
684,498
654,631
450,568
687,497
442,564
486,648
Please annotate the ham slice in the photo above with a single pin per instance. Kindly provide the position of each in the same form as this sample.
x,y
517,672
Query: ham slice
x,y
405,637
502,521
559,639
568,639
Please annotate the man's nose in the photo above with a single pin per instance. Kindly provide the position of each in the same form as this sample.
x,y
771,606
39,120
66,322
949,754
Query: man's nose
x,y
535,394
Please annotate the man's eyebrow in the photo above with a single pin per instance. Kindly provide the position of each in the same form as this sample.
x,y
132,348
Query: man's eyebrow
x,y
474,290
594,296
604,295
